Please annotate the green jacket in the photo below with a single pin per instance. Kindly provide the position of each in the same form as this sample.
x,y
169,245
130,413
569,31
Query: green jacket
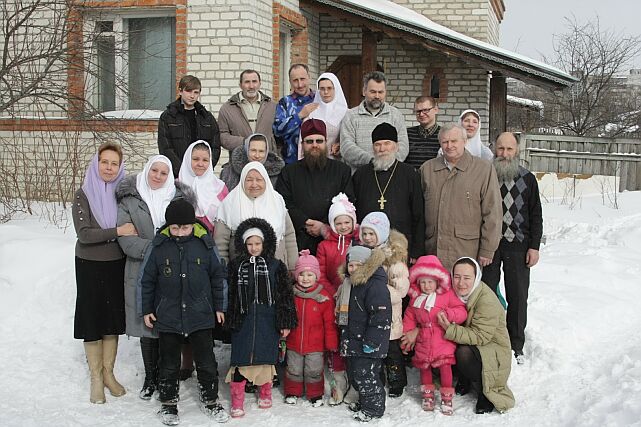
x,y
485,328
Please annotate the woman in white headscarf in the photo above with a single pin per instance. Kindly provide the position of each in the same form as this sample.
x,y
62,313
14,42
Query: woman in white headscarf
x,y
332,107
142,201
255,197
471,122
197,172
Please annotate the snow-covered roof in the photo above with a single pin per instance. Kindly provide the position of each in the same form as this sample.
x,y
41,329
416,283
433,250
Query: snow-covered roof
x,y
495,58
529,103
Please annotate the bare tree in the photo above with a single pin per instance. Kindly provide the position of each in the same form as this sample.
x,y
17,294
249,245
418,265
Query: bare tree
x,y
597,58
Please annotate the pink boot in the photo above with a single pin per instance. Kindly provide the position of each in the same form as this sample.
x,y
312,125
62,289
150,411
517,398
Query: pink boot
x,y
428,397
265,396
237,390
447,393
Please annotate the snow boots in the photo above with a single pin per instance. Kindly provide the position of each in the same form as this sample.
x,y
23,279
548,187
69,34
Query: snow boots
x,y
447,394
338,392
427,391
265,396
215,411
93,351
168,415
109,351
149,350
237,391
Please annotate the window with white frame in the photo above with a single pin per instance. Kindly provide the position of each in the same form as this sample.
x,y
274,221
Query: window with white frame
x,y
132,63
284,61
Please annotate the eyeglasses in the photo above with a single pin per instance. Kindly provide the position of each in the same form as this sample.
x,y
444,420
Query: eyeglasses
x,y
424,111
314,141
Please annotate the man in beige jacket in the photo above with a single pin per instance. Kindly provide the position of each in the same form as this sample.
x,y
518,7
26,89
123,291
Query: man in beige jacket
x,y
462,202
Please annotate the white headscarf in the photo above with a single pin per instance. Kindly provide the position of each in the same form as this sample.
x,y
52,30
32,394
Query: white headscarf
x,y
474,144
207,187
333,111
156,200
477,279
238,206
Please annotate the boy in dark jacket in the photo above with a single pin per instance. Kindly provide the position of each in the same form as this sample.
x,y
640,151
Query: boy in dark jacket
x,y
365,318
184,292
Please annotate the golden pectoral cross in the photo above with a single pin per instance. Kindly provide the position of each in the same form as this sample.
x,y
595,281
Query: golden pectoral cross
x,y
382,201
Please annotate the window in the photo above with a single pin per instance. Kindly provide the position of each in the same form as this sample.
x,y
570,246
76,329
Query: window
x,y
132,62
284,61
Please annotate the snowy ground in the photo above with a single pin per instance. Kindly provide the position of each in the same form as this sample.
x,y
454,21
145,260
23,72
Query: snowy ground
x,y
584,346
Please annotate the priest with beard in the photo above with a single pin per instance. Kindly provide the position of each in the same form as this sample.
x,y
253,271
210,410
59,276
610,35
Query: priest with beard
x,y
309,185
387,185
522,229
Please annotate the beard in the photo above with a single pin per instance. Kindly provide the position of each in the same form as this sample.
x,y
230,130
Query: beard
x,y
506,169
374,104
315,158
383,162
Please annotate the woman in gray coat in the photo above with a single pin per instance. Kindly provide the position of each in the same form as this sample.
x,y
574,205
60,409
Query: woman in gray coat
x,y
142,200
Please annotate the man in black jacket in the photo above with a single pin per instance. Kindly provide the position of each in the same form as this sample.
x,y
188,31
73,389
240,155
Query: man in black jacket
x,y
184,121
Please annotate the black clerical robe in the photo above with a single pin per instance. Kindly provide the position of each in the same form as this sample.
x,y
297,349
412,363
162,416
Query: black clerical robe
x,y
308,195
403,201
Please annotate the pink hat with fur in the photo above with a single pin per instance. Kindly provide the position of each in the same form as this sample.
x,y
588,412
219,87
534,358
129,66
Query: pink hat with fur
x,y
430,266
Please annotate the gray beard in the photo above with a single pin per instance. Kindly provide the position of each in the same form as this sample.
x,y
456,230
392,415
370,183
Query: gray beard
x,y
506,170
383,163
373,105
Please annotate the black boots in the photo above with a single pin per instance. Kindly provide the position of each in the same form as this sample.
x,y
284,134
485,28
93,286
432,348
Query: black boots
x,y
149,349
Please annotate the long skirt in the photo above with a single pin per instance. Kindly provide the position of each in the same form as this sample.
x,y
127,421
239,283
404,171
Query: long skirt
x,y
100,301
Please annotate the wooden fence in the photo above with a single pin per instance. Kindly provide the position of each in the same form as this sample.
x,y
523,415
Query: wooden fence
x,y
584,155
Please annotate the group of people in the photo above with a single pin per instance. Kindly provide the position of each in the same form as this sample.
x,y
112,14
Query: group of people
x,y
336,241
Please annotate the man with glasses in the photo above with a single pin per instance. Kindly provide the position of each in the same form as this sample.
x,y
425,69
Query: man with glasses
x,y
423,138
309,185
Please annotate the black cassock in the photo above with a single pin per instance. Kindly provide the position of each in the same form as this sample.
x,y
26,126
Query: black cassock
x,y
402,201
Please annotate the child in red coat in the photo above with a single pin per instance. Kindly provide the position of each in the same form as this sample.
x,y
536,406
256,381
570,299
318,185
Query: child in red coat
x,y
432,294
314,334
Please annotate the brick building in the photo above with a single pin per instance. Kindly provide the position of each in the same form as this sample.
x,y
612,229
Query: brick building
x,y
444,48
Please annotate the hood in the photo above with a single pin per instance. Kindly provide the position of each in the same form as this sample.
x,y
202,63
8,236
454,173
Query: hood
x,y
200,232
367,270
238,159
269,244
396,248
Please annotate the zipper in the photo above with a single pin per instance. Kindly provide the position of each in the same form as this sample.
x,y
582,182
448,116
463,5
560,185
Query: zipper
x,y
251,353
302,326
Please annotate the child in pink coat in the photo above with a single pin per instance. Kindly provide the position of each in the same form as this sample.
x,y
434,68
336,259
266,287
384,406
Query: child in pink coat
x,y
432,294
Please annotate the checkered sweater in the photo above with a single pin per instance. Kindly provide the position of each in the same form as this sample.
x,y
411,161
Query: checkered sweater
x,y
522,216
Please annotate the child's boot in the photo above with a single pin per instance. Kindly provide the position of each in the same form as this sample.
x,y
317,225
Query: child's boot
x,y
109,351
447,394
237,390
265,396
93,351
168,415
338,392
428,397
149,349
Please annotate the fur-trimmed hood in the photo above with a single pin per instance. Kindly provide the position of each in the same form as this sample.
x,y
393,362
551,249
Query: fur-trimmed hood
x,y
395,249
367,270
430,266
238,159
269,244
127,188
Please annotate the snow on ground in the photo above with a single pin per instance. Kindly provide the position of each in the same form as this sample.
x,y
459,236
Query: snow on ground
x,y
583,343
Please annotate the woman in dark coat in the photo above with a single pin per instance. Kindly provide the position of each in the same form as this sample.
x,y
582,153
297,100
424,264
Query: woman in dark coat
x,y
100,264
254,149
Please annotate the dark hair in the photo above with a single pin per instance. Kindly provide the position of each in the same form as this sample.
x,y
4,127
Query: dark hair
x,y
248,71
201,146
189,82
297,65
377,76
467,261
430,99
258,137
112,146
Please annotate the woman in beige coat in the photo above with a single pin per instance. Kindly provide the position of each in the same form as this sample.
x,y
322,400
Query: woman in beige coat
x,y
483,355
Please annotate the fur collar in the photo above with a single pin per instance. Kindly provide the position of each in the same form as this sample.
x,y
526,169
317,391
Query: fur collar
x,y
238,160
396,248
269,244
367,270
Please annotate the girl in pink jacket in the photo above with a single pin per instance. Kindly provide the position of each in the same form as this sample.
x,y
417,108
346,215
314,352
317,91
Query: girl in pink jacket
x,y
431,294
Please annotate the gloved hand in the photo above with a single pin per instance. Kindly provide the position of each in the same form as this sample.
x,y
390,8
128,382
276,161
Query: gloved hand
x,y
367,349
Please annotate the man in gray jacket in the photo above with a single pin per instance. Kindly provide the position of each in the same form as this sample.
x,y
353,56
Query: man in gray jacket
x,y
247,112
359,122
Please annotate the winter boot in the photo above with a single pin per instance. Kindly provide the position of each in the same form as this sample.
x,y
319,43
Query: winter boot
x,y
520,357
463,386
338,392
215,411
351,396
483,405
291,399
149,350
362,417
427,391
265,396
396,379
168,414
93,351
316,401
237,391
109,350
250,388
447,394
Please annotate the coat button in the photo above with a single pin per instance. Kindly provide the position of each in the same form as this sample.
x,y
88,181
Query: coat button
x,y
80,218
184,305
183,275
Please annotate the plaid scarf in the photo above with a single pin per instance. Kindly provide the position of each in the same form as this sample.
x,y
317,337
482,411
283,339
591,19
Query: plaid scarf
x,y
253,270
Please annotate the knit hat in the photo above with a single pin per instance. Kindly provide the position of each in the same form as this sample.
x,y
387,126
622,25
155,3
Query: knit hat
x,y
313,127
379,223
307,262
253,232
341,206
430,266
358,254
384,131
180,212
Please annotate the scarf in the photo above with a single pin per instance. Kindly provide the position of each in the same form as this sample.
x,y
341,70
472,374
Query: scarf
x,y
156,200
270,206
474,144
342,298
253,270
102,195
331,112
207,187
477,280
313,292
425,301
248,140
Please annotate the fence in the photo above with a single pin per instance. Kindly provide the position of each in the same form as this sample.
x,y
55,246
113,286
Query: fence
x,y
584,155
